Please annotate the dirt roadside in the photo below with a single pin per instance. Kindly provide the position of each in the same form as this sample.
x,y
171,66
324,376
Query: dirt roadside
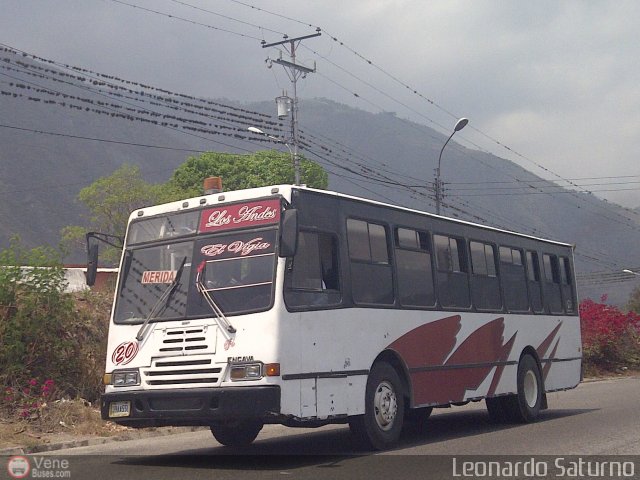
x,y
68,424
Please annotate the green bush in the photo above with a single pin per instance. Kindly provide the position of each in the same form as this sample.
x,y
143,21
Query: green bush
x,y
45,333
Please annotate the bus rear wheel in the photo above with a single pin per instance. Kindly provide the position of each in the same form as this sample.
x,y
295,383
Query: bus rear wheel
x,y
524,406
499,408
527,403
238,434
380,426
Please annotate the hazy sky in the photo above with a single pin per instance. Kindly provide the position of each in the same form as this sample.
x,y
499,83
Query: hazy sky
x,y
557,82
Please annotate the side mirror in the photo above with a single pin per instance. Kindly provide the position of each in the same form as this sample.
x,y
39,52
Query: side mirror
x,y
92,239
289,233
92,260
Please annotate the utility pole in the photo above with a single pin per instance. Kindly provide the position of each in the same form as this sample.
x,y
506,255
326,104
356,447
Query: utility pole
x,y
294,71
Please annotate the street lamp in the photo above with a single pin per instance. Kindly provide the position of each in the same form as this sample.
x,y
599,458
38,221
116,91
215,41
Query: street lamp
x,y
460,124
626,270
279,140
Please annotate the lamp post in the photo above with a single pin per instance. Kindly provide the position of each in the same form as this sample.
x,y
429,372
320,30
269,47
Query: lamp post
x,y
296,166
626,270
460,124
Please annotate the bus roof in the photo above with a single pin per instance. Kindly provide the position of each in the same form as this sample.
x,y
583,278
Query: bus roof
x,y
285,191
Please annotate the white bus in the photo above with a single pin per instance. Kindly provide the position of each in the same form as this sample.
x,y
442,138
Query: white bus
x,y
302,307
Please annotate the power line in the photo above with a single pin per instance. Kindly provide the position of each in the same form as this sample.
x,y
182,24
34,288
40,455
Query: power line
x,y
260,27
415,92
114,110
374,176
368,61
389,75
48,90
193,22
87,88
554,186
571,192
543,180
95,139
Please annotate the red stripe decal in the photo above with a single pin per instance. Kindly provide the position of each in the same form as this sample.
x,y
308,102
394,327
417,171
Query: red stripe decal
x,y
429,346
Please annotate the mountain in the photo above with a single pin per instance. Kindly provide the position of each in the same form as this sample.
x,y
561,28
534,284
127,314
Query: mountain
x,y
62,128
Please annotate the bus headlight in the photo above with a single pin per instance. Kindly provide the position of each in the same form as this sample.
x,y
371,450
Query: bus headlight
x,y
246,371
125,378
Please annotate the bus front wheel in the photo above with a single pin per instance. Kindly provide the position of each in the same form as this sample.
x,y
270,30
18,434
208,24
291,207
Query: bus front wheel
x,y
238,434
381,424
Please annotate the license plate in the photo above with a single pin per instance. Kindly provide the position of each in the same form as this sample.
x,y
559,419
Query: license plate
x,y
119,409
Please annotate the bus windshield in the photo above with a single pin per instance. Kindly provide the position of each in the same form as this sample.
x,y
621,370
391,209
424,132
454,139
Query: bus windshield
x,y
236,268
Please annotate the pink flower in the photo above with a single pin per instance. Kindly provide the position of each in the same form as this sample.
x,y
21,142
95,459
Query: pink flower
x,y
33,382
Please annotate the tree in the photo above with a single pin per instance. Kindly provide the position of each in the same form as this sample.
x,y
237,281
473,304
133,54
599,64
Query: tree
x,y
633,304
242,171
110,201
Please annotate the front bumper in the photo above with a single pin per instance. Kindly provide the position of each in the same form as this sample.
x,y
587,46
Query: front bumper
x,y
194,407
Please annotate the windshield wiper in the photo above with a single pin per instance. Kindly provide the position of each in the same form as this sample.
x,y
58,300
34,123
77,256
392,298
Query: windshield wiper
x,y
162,302
220,316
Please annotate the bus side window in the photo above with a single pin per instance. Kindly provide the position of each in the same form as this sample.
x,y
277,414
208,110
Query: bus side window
x,y
371,276
449,254
534,283
485,285
306,273
313,278
451,277
566,285
514,280
413,268
552,291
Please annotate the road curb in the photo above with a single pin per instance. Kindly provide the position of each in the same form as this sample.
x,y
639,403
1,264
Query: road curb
x,y
91,441
49,447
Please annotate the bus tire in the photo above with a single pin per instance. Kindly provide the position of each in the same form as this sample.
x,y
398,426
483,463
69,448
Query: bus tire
x,y
416,418
380,426
526,405
499,408
238,434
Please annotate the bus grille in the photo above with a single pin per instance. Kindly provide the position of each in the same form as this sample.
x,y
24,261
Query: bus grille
x,y
182,372
187,340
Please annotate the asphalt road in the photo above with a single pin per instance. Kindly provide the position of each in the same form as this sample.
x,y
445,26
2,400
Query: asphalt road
x,y
597,418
